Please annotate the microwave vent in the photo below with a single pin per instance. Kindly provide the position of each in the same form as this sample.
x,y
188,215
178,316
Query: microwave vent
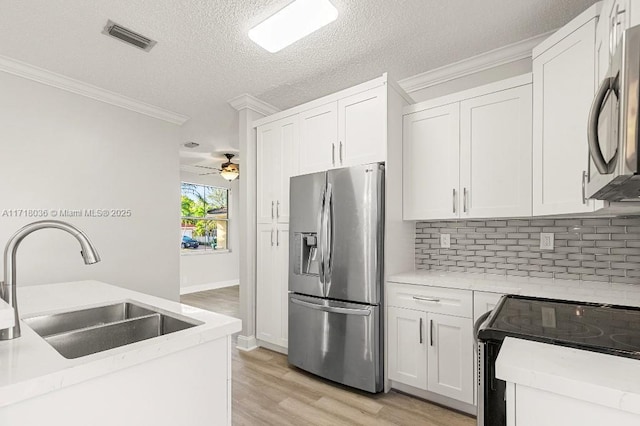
x,y
127,36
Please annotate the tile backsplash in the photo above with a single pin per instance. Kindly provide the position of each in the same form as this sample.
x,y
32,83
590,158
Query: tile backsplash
x,y
590,249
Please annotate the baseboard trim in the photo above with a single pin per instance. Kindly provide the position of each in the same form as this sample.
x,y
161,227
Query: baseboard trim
x,y
434,397
208,286
246,343
272,347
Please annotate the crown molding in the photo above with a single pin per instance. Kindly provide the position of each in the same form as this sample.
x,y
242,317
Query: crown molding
x,y
30,72
493,58
252,103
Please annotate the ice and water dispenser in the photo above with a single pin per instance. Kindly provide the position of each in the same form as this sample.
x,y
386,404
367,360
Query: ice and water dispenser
x,y
307,260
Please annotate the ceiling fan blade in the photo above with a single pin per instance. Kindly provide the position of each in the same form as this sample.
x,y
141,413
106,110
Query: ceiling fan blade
x,y
206,167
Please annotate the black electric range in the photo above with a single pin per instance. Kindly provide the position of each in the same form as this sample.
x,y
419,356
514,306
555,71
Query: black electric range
x,y
609,329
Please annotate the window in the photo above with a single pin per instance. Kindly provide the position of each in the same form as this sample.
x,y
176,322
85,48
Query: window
x,y
205,218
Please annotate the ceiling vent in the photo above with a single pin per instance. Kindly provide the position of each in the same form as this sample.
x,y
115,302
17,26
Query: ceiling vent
x,y
126,35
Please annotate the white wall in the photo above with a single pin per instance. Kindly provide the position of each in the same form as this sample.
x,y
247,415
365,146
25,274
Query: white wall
x,y
214,269
480,78
59,150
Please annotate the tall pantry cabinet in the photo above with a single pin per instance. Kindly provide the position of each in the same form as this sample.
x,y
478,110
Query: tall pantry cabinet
x,y
277,153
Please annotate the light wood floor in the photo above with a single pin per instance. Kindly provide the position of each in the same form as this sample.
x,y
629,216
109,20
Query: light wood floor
x,y
222,300
267,391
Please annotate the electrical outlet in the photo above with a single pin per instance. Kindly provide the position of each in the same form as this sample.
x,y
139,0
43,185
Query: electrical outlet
x,y
546,241
445,240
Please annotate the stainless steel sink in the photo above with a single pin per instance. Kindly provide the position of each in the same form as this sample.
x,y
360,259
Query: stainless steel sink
x,y
87,331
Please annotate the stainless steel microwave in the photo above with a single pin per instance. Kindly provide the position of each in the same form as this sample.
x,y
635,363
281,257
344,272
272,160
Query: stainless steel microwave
x,y
613,126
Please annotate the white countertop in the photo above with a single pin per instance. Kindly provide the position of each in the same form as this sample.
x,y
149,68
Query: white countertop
x,y
6,315
585,291
602,379
29,366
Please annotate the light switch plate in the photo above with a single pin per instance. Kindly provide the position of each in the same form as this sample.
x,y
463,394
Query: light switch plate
x,y
546,240
445,240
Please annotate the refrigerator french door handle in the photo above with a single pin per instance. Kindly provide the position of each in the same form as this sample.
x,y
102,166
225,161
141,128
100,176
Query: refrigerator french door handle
x,y
320,239
328,230
332,309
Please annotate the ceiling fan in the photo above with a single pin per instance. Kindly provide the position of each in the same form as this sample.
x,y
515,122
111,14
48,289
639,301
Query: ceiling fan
x,y
228,170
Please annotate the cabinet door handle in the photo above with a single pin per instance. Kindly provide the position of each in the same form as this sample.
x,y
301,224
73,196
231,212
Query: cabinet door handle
x,y
420,330
454,201
426,299
611,42
584,190
278,238
430,332
340,152
333,154
613,33
465,207
272,210
278,209
272,238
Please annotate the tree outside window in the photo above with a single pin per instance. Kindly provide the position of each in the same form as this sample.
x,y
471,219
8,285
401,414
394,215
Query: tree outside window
x,y
205,217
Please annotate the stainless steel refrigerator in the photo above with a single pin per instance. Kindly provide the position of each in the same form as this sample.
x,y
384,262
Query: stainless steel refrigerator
x,y
335,275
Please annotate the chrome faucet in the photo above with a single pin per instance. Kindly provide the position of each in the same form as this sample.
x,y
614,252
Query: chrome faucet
x,y
8,286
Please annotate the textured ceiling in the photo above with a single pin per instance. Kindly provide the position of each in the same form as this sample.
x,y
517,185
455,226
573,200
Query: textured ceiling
x,y
204,56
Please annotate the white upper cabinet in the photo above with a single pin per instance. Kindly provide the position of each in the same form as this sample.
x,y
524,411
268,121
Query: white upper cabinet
x,y
470,156
319,138
615,17
604,46
362,124
348,132
267,147
288,167
431,163
277,161
495,160
564,85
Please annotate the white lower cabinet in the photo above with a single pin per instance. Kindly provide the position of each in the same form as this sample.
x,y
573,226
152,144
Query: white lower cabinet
x,y
484,302
407,347
450,357
272,284
428,348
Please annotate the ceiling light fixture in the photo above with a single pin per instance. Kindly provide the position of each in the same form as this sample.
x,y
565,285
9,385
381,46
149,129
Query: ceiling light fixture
x,y
229,170
295,21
